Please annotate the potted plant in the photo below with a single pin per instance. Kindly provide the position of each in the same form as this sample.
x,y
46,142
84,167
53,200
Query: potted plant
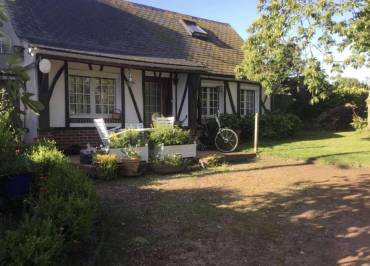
x,y
172,140
169,164
130,163
130,138
106,166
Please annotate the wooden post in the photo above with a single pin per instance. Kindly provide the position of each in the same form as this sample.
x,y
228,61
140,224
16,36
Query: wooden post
x,y
368,112
256,129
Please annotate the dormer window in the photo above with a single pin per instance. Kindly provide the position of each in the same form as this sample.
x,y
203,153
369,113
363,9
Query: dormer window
x,y
194,29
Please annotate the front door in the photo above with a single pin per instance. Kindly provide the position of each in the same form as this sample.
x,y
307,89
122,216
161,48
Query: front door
x,y
157,98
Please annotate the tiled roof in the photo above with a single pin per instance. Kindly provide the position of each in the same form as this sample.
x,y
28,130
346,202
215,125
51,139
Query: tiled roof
x,y
125,28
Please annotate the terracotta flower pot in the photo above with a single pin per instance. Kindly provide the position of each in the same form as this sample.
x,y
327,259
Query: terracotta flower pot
x,y
129,167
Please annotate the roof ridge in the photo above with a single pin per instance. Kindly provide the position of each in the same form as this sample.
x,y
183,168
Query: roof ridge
x,y
174,12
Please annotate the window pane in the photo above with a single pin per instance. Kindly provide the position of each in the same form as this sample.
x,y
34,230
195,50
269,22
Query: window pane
x,y
79,95
247,102
105,96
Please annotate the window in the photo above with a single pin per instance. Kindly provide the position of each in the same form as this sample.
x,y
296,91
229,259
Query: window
x,y
209,101
91,96
247,102
194,29
104,96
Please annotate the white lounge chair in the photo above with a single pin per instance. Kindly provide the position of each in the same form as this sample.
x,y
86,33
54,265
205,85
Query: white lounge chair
x,y
104,132
164,121
134,126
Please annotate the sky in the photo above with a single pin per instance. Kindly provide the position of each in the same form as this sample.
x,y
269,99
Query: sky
x,y
239,13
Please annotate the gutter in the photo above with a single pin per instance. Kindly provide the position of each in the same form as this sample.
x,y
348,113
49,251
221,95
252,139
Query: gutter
x,y
119,60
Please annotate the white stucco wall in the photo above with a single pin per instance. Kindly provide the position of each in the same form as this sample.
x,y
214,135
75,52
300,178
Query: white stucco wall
x,y
137,90
234,95
57,106
180,91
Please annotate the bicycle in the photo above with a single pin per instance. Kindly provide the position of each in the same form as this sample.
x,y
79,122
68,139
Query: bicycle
x,y
226,140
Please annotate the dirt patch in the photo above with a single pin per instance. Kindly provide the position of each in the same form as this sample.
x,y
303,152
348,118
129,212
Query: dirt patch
x,y
265,213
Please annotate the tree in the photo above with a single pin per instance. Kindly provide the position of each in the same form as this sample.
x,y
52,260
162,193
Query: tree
x,y
15,78
288,39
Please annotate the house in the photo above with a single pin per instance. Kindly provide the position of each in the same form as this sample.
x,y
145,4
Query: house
x,y
123,62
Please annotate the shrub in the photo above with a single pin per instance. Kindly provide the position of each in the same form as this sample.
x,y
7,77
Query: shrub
x,y
359,123
67,197
128,138
59,215
243,125
45,156
279,125
8,141
231,121
107,164
169,136
35,242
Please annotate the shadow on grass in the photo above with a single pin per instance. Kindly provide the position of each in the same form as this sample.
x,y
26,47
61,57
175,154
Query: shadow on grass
x,y
318,223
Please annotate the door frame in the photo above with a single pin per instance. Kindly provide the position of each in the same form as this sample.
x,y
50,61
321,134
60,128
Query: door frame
x,y
166,102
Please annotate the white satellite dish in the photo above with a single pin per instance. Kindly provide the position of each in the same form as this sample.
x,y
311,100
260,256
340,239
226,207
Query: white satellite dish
x,y
45,66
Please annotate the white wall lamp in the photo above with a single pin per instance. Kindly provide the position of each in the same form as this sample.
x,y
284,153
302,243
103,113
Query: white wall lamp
x,y
32,51
45,66
130,78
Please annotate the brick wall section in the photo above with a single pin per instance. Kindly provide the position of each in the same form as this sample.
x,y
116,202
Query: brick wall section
x,y
67,137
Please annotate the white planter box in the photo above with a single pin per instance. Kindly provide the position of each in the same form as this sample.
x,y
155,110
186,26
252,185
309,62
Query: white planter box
x,y
186,151
142,151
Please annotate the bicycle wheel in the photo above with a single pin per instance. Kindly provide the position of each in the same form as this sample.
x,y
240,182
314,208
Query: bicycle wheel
x,y
226,140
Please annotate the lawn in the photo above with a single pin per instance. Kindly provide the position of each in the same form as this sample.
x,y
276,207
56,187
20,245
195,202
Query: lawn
x,y
346,149
269,212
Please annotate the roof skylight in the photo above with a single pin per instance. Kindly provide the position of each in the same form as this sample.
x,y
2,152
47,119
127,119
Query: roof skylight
x,y
194,29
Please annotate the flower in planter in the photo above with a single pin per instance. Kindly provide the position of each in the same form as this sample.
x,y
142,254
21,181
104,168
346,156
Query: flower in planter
x,y
107,165
129,137
170,164
130,153
169,136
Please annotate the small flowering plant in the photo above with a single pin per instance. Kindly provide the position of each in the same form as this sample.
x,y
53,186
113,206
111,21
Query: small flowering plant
x,y
130,153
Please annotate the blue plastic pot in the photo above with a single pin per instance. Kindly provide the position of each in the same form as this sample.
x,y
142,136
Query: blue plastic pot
x,y
17,186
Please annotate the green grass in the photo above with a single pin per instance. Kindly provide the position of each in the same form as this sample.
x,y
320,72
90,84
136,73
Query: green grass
x,y
346,149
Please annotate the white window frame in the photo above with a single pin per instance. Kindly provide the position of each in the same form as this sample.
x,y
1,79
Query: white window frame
x,y
94,75
207,91
244,102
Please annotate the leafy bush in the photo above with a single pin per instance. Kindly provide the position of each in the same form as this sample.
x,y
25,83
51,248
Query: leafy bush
x,y
45,156
243,125
107,164
35,242
67,197
279,125
169,136
8,140
170,160
231,121
59,213
128,138
359,123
